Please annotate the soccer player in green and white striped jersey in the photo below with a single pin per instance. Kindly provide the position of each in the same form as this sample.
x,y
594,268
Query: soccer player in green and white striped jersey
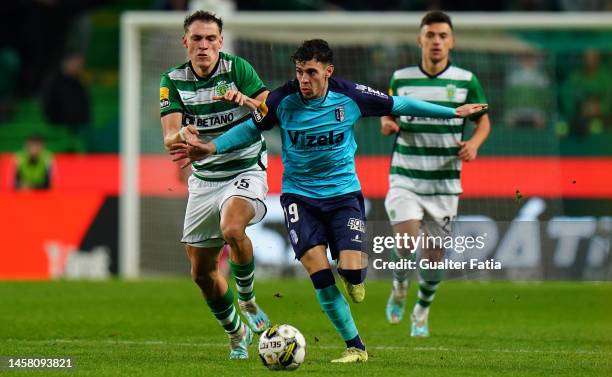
x,y
226,191
426,164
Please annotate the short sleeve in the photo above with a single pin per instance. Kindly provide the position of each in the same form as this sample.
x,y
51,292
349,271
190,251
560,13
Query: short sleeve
x,y
169,99
247,78
475,92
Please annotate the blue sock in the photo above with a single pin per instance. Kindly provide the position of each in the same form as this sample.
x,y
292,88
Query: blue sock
x,y
323,279
334,304
355,342
353,276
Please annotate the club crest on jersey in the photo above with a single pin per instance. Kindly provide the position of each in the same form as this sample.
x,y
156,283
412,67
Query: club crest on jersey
x,y
340,114
222,87
451,90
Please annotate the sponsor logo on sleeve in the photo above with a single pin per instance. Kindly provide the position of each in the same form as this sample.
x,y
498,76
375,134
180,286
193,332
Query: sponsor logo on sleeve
x,y
260,113
367,90
164,97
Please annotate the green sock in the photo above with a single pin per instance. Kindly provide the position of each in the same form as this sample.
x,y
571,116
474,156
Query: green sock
x,y
427,292
244,274
225,313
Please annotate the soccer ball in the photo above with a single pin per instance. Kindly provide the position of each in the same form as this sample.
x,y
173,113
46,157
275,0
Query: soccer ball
x,y
282,347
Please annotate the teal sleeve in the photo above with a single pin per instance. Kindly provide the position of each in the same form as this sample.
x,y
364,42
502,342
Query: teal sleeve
x,y
409,106
239,136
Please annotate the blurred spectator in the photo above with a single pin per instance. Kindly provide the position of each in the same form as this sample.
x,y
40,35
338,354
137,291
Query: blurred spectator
x,y
527,94
586,96
65,100
46,27
33,165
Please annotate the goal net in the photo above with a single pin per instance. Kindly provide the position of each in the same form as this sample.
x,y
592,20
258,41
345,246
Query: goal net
x,y
521,60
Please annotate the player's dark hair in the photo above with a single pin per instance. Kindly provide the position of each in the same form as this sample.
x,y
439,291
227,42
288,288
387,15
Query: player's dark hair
x,y
316,49
436,17
204,16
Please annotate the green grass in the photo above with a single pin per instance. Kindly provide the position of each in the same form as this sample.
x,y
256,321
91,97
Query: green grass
x,y
163,328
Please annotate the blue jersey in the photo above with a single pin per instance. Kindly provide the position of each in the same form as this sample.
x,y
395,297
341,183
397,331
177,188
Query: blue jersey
x,y
318,139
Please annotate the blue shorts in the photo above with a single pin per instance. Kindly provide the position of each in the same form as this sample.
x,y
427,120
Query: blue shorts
x,y
337,222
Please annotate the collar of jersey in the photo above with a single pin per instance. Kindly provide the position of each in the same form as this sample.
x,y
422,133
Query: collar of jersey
x,y
211,74
315,101
434,76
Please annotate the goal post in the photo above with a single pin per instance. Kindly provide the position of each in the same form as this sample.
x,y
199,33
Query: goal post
x,y
150,44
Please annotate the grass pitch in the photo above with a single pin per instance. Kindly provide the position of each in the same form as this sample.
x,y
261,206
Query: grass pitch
x,y
163,328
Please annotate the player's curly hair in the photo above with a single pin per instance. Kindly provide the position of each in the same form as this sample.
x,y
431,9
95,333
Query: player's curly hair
x,y
204,16
435,17
317,49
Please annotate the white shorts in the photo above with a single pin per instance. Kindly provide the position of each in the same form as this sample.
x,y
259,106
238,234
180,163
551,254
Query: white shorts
x,y
206,199
436,212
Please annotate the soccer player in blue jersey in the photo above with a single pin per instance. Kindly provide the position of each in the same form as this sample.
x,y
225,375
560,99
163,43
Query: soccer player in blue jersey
x,y
321,195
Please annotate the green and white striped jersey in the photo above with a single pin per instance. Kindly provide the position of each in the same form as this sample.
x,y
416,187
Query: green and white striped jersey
x,y
425,152
181,90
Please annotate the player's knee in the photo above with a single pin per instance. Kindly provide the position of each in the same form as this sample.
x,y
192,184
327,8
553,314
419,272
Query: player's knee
x,y
233,233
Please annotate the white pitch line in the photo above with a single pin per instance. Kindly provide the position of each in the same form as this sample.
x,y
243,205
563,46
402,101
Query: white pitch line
x,y
405,348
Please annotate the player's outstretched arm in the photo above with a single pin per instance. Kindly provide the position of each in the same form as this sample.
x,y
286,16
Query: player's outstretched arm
x,y
470,109
235,96
412,107
244,134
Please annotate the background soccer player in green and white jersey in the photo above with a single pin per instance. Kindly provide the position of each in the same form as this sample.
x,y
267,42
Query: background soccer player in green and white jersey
x,y
226,191
427,155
